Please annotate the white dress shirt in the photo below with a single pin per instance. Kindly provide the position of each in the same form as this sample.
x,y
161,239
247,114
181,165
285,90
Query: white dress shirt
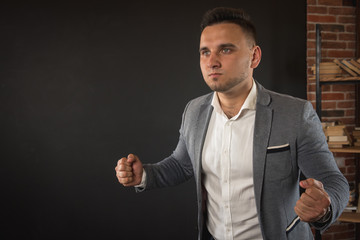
x,y
227,164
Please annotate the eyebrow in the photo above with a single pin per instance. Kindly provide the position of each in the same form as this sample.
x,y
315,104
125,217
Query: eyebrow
x,y
224,45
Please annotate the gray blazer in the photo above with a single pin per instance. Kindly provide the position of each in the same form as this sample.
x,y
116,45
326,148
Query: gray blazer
x,y
280,120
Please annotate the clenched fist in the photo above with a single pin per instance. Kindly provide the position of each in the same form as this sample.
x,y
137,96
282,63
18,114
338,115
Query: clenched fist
x,y
129,170
314,202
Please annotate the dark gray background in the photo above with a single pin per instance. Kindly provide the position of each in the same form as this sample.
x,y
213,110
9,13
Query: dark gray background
x,y
83,84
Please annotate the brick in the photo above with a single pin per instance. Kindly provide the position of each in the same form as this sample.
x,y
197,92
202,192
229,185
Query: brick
x,y
311,35
344,235
346,104
342,170
311,96
316,9
347,36
332,113
350,95
327,59
326,88
350,3
311,53
333,96
340,54
332,27
327,236
349,178
350,113
349,162
321,18
324,55
350,170
344,88
348,121
310,61
329,36
351,45
311,87
346,19
342,227
328,105
342,10
333,44
350,28
330,2
310,27
311,44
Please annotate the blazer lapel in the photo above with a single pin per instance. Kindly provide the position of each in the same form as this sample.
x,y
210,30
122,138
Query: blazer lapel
x,y
200,133
263,121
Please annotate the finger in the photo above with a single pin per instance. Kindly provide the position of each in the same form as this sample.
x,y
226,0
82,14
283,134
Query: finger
x,y
308,214
310,182
314,194
123,161
127,180
126,168
123,174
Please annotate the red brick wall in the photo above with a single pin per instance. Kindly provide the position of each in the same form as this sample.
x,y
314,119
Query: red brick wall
x,y
338,20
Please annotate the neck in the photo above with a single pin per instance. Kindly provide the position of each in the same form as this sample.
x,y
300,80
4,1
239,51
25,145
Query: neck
x,y
232,101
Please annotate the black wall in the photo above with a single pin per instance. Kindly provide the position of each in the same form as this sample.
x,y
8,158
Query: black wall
x,y
83,84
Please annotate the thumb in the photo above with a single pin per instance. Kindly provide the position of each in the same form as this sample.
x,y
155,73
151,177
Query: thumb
x,y
131,158
306,183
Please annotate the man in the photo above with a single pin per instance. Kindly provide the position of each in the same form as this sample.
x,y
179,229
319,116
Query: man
x,y
246,147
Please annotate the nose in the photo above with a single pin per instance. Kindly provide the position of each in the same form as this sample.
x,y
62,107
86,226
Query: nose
x,y
213,61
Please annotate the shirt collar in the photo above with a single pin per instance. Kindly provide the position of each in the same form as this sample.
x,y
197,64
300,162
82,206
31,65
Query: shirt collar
x,y
250,102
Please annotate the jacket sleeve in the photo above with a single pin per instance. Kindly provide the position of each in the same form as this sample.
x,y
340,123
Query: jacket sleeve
x,y
173,170
316,161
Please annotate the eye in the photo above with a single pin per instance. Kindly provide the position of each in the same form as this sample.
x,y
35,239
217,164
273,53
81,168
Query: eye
x,y
226,50
205,53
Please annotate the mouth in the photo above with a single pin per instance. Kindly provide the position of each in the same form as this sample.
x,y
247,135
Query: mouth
x,y
214,74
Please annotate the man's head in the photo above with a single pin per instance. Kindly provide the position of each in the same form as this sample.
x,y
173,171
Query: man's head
x,y
230,15
228,55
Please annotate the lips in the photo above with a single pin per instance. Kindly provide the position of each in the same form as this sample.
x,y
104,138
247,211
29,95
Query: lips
x,y
214,74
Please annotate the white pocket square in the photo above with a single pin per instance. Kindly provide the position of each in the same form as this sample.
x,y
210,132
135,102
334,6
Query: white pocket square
x,y
278,147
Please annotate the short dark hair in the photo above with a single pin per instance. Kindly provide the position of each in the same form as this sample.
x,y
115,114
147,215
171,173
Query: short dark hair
x,y
229,15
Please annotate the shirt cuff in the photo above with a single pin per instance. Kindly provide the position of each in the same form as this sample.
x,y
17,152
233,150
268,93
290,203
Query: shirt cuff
x,y
324,220
143,180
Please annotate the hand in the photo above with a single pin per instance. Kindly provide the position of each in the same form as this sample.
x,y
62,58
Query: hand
x,y
314,202
129,170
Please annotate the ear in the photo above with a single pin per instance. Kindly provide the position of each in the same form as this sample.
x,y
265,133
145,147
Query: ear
x,y
256,57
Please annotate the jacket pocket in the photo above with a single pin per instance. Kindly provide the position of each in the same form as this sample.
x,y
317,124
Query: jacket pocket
x,y
278,162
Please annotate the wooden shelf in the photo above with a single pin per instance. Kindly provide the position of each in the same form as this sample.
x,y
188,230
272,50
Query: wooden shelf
x,y
345,150
336,79
339,79
353,217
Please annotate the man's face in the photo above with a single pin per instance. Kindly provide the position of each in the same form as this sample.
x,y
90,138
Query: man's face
x,y
225,57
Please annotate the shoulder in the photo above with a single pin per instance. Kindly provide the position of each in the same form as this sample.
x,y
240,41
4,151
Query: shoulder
x,y
204,99
279,101
197,103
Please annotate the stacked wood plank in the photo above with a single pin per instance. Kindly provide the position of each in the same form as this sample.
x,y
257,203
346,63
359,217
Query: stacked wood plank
x,y
356,136
336,134
338,68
